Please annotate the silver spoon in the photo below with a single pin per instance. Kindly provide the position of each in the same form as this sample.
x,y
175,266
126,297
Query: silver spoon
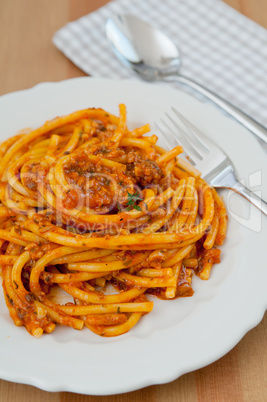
x,y
153,56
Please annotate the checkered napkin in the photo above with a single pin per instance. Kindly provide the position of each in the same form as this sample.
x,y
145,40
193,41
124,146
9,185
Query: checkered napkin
x,y
220,48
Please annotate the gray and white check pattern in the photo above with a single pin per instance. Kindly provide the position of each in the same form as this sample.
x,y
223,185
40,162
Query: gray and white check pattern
x,y
221,49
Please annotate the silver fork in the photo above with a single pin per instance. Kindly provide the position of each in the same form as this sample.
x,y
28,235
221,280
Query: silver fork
x,y
215,166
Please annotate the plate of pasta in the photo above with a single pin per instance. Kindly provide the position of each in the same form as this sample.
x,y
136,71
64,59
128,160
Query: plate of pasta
x,y
114,250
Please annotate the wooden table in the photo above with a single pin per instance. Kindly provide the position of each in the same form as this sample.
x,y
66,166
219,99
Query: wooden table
x,y
28,57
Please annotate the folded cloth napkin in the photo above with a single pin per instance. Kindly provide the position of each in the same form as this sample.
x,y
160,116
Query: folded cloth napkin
x,y
221,49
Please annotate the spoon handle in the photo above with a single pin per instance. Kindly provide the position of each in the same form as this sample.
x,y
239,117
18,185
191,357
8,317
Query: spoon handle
x,y
244,119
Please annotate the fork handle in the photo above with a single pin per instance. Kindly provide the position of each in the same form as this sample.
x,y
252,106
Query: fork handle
x,y
256,128
251,197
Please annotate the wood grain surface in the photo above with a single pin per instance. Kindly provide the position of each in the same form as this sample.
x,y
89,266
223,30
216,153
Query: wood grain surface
x,y
27,56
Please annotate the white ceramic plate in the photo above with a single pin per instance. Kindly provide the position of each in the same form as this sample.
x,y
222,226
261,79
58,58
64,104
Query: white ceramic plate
x,y
180,335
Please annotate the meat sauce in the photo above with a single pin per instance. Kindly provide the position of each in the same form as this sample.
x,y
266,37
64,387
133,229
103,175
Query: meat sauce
x,y
30,176
99,185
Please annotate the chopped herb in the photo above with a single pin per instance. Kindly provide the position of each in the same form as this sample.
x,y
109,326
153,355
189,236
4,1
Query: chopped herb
x,y
137,207
126,263
9,299
118,206
104,150
118,310
132,199
47,280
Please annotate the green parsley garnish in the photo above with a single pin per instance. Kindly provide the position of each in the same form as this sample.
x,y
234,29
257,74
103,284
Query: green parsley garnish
x,y
80,134
132,199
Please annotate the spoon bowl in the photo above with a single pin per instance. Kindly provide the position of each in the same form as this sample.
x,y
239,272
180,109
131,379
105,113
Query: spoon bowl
x,y
142,48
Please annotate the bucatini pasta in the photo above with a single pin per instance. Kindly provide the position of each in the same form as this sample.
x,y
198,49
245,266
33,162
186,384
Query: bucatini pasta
x,y
106,215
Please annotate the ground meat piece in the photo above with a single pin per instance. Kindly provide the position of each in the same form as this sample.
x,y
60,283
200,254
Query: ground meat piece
x,y
144,172
134,156
156,258
30,177
110,153
169,181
